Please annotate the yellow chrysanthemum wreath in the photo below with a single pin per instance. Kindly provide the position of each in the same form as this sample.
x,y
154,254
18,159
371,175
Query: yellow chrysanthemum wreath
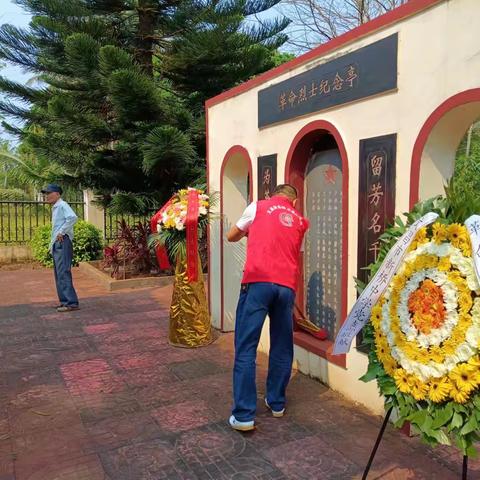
x,y
424,338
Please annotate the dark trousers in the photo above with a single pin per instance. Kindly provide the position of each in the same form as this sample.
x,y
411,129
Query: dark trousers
x,y
62,266
255,302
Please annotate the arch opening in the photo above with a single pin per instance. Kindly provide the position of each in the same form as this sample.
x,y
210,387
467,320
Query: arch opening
x,y
235,194
317,166
436,148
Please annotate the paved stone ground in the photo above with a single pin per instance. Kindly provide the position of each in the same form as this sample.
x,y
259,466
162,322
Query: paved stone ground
x,y
98,394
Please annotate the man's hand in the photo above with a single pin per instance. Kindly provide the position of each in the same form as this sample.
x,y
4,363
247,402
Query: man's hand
x,y
60,238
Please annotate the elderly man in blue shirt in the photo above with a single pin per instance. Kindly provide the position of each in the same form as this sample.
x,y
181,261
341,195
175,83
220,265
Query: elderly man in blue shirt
x,y
63,220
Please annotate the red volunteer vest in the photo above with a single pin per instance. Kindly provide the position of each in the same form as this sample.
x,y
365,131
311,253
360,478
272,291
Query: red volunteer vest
x,y
274,241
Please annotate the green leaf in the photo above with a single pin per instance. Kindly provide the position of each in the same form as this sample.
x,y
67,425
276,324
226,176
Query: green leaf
x,y
471,452
374,370
442,416
418,417
460,408
457,421
427,424
440,436
388,389
470,426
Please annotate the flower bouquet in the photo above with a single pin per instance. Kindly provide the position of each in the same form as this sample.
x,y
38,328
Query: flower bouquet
x,y
180,224
424,333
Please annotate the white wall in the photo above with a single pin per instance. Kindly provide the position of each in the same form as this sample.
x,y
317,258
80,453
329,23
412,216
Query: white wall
x,y
438,57
235,200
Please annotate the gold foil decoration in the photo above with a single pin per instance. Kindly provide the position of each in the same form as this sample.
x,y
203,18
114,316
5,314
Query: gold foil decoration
x,y
189,316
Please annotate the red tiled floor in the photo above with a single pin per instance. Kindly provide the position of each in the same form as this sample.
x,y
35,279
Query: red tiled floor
x,y
98,394
101,328
182,416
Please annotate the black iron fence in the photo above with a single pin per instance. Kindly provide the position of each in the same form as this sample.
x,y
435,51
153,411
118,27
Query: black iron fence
x,y
19,219
111,221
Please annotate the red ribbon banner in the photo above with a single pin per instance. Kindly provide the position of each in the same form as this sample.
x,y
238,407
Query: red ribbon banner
x,y
191,223
160,251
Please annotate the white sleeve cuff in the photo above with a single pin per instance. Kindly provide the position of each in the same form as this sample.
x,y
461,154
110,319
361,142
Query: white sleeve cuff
x,y
247,217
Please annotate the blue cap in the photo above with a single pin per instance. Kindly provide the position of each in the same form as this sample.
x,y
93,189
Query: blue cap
x,y
52,187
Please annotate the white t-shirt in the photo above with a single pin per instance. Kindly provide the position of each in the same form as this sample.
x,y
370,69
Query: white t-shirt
x,y
247,217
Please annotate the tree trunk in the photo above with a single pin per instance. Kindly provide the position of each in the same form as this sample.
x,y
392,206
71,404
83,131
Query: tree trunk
x,y
147,17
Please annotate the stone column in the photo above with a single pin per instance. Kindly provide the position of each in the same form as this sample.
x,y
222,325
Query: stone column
x,y
93,213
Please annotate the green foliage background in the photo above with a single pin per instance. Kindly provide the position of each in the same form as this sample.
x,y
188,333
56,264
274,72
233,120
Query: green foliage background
x,y
87,244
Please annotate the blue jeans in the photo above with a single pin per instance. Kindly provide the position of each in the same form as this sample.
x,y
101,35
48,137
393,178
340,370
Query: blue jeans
x,y
62,253
255,302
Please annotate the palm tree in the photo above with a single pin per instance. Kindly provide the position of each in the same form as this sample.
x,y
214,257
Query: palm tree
x,y
21,169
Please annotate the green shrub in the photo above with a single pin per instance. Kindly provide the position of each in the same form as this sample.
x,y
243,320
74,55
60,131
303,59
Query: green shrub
x,y
87,243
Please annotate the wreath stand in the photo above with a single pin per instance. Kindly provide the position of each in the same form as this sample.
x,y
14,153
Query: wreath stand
x,y
379,439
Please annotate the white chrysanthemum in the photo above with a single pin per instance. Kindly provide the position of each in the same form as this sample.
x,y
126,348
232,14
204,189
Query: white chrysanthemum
x,y
450,293
434,369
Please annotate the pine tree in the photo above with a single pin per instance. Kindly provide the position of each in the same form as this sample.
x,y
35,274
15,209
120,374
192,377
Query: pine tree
x,y
115,106
218,46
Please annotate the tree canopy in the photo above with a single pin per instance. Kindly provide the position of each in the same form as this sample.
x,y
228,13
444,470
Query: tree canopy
x,y
118,101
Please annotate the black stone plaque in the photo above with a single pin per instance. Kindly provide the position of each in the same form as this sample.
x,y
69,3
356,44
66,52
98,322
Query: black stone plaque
x,y
267,175
365,72
323,242
376,198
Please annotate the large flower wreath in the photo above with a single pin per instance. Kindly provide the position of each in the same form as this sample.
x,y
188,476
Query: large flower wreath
x,y
424,333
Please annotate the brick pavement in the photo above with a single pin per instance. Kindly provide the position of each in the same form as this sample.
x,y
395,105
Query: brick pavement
x,y
99,394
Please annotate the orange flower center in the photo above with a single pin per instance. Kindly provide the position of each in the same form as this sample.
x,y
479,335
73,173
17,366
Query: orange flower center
x,y
427,307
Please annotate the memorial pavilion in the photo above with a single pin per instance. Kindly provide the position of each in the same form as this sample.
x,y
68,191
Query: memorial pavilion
x,y
364,126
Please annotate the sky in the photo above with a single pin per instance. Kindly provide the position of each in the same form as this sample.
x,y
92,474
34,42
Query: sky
x,y
13,14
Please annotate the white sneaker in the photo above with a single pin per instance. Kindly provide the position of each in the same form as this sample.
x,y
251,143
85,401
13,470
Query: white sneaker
x,y
241,426
275,413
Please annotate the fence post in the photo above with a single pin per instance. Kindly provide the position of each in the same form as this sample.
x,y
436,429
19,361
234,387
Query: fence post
x,y
93,213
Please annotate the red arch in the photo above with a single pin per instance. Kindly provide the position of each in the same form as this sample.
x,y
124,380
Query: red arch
x,y
236,149
297,158
457,100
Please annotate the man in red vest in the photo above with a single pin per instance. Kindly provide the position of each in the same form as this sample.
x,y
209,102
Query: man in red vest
x,y
275,234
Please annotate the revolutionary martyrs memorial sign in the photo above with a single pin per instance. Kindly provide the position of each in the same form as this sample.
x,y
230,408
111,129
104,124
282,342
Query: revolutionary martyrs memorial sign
x,y
365,72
